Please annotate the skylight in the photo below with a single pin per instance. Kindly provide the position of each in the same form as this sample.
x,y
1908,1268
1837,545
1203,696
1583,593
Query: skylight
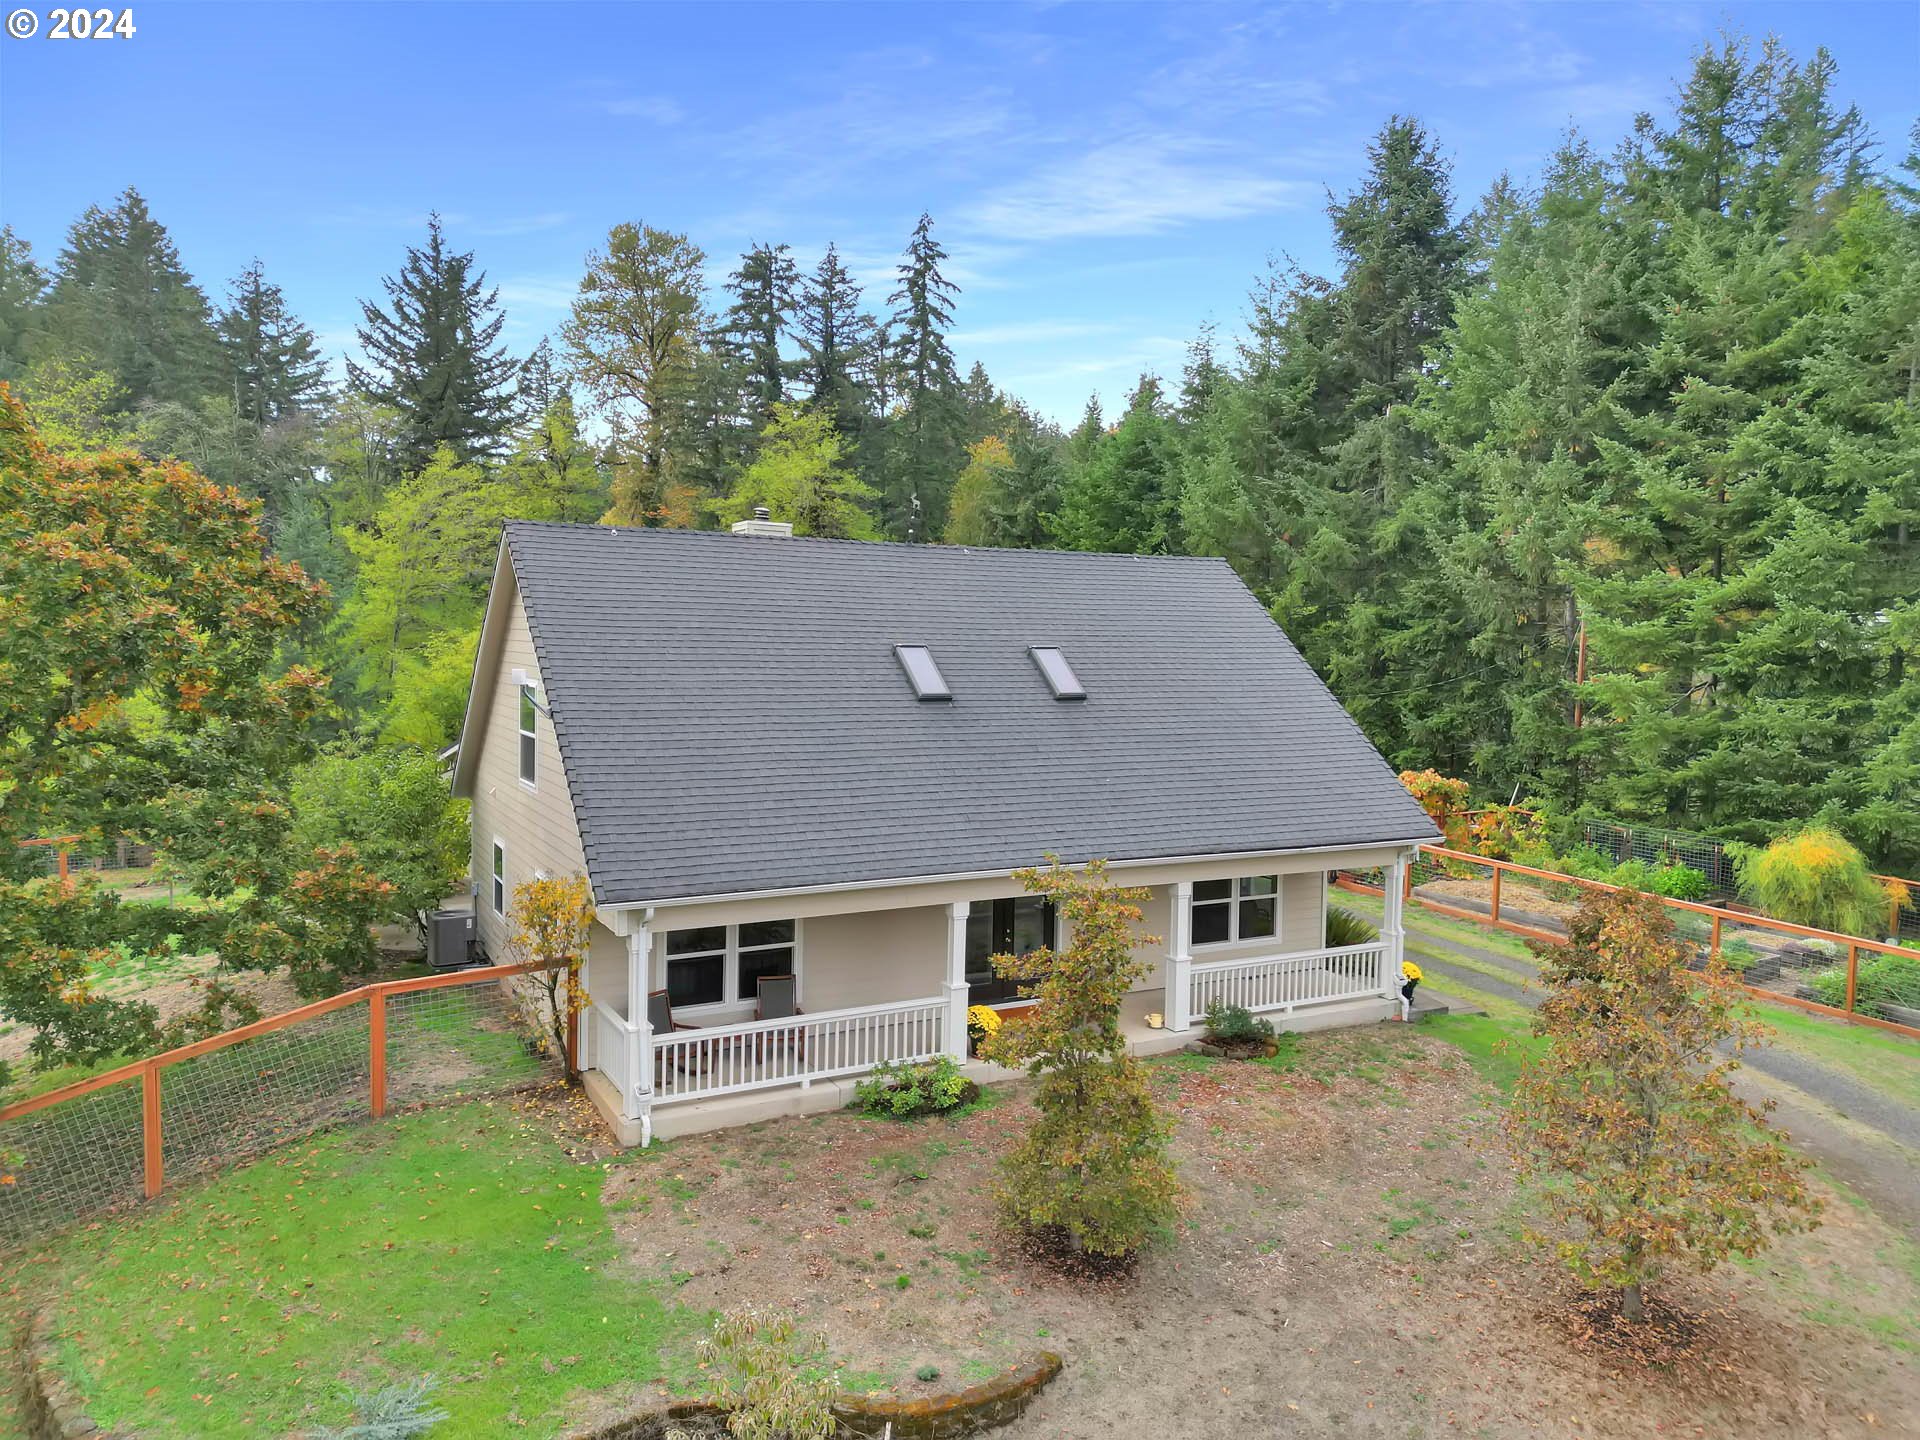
x,y
1053,664
928,683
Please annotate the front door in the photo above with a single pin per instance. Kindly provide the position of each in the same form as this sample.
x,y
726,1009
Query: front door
x,y
1003,927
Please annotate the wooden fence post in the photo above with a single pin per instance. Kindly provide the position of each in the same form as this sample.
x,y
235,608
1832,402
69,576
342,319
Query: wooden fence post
x,y
377,1050
1853,973
571,981
1713,945
1497,873
150,1128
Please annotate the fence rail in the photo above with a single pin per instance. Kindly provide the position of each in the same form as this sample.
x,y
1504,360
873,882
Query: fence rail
x,y
1777,960
723,1059
127,1132
1288,982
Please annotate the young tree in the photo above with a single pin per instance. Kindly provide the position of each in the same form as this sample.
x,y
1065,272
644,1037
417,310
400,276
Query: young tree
x,y
1650,1158
800,477
555,471
392,805
757,1364
552,924
273,363
435,356
1093,1168
633,336
121,301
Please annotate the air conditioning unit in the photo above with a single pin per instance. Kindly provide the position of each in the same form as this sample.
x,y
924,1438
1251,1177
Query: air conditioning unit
x,y
448,934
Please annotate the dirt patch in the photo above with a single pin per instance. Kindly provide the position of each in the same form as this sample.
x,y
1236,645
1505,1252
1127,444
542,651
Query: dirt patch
x,y
1347,1263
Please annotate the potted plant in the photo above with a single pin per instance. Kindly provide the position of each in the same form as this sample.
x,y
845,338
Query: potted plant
x,y
983,1022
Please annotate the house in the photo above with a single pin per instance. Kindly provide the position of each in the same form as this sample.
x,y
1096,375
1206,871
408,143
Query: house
x,y
778,756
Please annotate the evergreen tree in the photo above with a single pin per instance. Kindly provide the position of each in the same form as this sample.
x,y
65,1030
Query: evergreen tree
x,y
541,385
1124,498
435,356
837,344
273,362
23,295
122,302
765,290
924,450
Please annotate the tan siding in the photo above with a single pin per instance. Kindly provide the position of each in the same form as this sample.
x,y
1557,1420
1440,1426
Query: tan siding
x,y
871,959
536,825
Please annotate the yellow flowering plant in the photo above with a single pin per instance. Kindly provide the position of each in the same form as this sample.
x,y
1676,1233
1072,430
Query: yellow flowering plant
x,y
983,1022
1410,971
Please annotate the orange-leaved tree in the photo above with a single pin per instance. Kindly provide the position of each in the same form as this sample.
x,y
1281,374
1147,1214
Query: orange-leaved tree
x,y
1443,798
1648,1156
552,925
1092,1170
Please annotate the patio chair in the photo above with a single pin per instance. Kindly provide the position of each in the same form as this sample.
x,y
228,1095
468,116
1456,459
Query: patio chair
x,y
777,997
660,1017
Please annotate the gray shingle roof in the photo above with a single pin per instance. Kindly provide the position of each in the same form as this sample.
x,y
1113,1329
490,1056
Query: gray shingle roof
x,y
732,716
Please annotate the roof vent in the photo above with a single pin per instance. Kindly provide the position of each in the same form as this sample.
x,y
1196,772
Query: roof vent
x,y
762,523
1053,664
925,677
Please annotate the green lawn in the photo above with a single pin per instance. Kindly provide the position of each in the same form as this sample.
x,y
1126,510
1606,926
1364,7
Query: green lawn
x,y
462,1242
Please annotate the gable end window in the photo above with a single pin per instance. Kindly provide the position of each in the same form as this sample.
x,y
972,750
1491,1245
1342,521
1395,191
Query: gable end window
x,y
1229,910
529,735
499,881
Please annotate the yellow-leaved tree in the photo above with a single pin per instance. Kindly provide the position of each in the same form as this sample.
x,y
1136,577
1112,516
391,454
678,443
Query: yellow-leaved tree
x,y
552,923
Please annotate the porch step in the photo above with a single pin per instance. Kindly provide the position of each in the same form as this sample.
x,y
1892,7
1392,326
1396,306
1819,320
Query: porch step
x,y
1425,1002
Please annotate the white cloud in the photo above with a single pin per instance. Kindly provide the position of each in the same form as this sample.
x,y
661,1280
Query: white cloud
x,y
539,292
661,109
1139,186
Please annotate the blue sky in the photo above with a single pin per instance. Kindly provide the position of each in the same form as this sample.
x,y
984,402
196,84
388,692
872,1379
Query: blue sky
x,y
1106,176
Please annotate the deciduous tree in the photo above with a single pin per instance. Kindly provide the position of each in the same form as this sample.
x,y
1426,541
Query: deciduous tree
x,y
1647,1158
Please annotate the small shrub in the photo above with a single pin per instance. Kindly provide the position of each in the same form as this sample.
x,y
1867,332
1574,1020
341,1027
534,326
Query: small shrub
x,y
905,1090
1738,956
927,1374
1346,928
1813,878
397,1412
758,1373
1883,980
1236,1025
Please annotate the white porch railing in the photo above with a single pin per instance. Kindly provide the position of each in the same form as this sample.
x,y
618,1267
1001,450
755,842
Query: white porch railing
x,y
1289,982
724,1059
615,1051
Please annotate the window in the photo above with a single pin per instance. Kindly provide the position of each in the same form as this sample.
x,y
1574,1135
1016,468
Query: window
x,y
1229,910
499,877
718,964
925,677
529,729
1053,664
697,965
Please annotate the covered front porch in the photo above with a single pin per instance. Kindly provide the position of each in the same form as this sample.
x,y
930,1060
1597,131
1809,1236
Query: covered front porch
x,y
891,982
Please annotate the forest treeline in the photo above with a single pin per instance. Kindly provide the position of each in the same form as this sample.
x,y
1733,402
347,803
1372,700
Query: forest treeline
x,y
1648,418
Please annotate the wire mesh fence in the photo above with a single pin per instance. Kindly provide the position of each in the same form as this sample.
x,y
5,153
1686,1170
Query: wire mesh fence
x,y
1622,842
1855,977
84,1149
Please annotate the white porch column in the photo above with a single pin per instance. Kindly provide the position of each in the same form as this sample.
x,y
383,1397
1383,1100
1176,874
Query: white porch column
x,y
1393,927
956,1036
637,1103
1179,999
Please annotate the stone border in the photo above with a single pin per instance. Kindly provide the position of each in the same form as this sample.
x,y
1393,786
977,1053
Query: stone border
x,y
53,1406
986,1406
